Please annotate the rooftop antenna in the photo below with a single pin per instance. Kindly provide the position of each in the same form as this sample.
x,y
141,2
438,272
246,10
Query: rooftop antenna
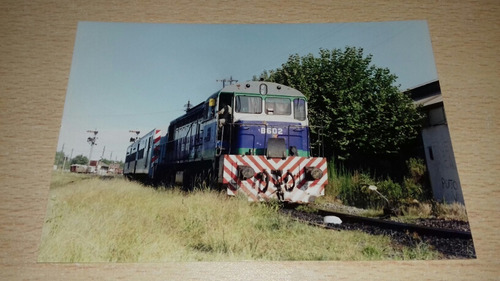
x,y
231,80
188,106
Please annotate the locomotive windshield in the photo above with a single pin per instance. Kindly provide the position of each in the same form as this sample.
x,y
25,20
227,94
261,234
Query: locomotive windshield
x,y
282,106
248,104
278,106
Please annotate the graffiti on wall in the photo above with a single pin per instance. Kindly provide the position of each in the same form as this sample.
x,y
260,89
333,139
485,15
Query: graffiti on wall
x,y
449,184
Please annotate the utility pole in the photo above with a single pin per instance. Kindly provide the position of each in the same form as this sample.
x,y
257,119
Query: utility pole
x,y
92,142
71,156
103,149
64,161
64,157
225,80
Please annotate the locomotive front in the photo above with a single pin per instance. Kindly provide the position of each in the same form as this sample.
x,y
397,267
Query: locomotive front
x,y
263,144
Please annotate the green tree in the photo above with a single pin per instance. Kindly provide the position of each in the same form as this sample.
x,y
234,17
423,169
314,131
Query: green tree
x,y
106,161
357,104
59,159
80,159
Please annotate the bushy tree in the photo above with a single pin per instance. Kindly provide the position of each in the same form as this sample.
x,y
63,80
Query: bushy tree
x,y
357,104
80,159
106,161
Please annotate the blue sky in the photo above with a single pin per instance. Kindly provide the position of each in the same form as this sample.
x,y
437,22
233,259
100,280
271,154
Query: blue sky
x,y
138,76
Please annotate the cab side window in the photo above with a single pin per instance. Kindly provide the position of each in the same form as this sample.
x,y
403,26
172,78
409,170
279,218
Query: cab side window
x,y
299,109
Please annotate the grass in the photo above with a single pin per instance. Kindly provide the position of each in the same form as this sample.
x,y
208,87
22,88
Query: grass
x,y
351,188
455,211
114,220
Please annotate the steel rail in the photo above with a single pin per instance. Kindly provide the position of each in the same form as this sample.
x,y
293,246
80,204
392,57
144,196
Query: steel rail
x,y
398,226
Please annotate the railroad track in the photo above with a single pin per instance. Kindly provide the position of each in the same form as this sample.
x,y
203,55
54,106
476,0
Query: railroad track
x,y
398,226
450,242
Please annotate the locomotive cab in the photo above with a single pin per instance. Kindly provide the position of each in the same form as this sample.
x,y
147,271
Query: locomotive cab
x,y
265,149
264,119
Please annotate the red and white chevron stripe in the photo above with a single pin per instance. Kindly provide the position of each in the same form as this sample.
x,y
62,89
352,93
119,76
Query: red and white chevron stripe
x,y
156,148
254,188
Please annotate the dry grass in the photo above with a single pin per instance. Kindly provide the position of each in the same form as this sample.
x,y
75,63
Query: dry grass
x,y
422,210
453,211
94,220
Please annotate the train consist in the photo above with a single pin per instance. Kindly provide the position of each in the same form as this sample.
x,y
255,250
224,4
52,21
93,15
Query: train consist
x,y
250,138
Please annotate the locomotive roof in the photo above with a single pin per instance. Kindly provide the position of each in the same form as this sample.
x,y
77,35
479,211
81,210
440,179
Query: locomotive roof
x,y
191,114
252,87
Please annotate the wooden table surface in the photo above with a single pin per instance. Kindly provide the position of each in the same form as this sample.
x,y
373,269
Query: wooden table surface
x,y
36,45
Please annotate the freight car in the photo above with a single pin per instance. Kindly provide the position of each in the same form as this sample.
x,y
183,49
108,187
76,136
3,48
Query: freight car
x,y
250,138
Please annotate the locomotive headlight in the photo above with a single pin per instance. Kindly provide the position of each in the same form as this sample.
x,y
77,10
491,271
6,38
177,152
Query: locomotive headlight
x,y
245,172
263,89
314,173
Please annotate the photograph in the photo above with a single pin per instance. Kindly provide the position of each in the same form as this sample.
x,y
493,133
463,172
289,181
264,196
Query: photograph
x,y
254,142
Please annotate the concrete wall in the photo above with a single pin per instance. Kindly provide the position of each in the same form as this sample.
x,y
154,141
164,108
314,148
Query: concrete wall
x,y
441,164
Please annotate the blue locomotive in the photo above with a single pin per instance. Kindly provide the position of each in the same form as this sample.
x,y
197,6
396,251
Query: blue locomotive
x,y
250,138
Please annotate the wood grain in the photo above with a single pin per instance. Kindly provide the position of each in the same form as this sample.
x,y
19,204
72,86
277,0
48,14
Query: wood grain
x,y
36,45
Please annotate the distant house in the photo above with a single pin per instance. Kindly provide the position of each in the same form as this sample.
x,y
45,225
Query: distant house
x,y
98,167
114,168
440,159
76,168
